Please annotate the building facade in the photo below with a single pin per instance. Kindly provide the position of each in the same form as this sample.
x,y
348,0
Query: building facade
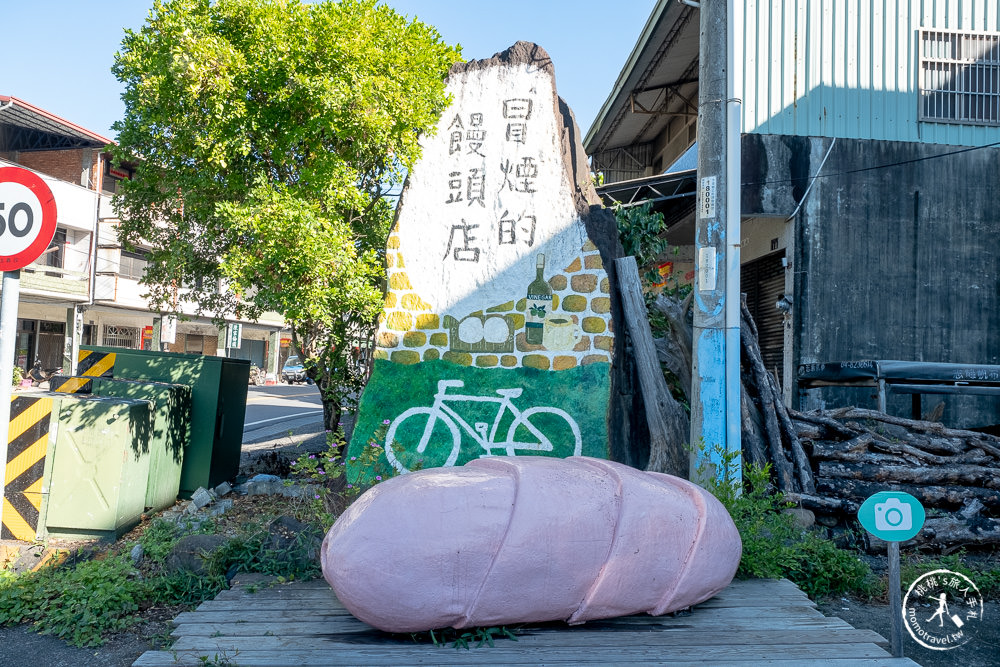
x,y
85,288
871,134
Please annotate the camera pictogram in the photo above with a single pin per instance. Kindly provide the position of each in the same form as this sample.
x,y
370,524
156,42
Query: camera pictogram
x,y
893,514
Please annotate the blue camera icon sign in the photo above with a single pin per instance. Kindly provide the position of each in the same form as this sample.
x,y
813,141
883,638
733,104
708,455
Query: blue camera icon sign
x,y
893,516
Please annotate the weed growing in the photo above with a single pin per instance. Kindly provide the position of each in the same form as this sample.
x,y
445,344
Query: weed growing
x,y
84,602
328,471
774,547
986,575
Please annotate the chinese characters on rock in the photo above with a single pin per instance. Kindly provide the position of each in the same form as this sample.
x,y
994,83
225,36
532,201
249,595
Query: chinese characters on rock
x,y
467,182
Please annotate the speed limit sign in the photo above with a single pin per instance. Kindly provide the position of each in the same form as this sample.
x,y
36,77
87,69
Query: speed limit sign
x,y
27,217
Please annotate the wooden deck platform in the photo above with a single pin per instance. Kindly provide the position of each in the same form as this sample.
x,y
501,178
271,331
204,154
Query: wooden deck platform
x,y
303,624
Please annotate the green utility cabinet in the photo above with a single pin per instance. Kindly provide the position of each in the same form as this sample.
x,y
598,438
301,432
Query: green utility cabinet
x,y
218,403
94,479
170,435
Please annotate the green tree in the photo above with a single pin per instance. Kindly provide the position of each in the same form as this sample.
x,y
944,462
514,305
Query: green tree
x,y
264,136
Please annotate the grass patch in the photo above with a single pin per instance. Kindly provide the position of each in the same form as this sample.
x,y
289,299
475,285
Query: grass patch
x,y
85,601
774,547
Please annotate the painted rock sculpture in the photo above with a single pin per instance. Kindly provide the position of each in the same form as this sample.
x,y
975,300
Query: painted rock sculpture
x,y
528,539
499,285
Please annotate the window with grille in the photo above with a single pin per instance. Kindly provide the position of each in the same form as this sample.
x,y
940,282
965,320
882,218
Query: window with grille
x,y
133,265
960,77
119,336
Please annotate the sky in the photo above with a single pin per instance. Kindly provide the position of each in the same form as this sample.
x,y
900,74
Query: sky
x,y
58,53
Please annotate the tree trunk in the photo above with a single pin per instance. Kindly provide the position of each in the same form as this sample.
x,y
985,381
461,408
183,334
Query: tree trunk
x,y
668,423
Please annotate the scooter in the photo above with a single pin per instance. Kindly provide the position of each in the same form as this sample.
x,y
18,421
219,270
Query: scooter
x,y
38,375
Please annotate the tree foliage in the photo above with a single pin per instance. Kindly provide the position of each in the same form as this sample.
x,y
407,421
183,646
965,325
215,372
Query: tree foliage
x,y
264,135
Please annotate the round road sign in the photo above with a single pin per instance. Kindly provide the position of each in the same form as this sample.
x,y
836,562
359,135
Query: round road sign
x,y
27,217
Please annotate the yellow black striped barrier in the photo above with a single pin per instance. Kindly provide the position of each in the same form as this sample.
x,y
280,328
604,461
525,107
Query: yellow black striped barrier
x,y
28,442
96,364
71,384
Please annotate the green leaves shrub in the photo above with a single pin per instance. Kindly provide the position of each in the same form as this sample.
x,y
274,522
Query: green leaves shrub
x,y
773,546
78,604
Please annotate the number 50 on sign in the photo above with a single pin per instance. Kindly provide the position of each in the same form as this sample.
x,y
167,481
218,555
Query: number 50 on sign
x,y
27,217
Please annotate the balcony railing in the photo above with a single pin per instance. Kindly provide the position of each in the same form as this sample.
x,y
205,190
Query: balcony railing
x,y
54,282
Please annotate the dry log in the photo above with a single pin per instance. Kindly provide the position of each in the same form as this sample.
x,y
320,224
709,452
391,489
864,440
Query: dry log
x,y
981,444
828,451
973,456
957,474
803,468
920,426
674,350
668,423
942,497
955,530
752,441
831,424
821,504
808,431
783,469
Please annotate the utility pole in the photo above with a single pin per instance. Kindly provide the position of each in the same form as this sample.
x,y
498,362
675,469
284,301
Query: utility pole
x,y
715,404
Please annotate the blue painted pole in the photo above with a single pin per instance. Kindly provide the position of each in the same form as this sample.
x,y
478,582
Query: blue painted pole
x,y
715,400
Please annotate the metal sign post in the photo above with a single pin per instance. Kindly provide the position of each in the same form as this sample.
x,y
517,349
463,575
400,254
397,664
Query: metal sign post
x,y
8,340
27,225
893,516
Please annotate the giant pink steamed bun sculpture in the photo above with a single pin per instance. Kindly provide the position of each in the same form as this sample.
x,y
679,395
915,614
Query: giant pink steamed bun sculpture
x,y
528,539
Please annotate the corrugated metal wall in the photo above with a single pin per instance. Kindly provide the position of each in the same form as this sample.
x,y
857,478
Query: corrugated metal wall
x,y
848,68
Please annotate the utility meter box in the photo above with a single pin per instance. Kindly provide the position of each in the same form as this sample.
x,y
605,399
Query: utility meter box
x,y
93,481
218,403
171,430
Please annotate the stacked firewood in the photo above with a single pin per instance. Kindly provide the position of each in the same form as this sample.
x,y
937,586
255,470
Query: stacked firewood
x,y
954,473
830,461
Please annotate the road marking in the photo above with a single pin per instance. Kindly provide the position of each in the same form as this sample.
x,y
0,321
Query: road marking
x,y
274,419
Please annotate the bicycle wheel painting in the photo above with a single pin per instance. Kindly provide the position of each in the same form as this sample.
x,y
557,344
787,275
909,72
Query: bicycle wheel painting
x,y
419,438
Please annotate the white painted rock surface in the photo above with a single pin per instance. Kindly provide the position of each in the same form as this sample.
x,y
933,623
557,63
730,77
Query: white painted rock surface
x,y
522,539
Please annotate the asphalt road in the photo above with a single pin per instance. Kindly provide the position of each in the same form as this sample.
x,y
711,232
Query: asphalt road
x,y
281,408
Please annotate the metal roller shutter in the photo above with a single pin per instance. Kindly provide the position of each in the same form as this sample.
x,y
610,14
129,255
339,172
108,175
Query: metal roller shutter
x,y
763,281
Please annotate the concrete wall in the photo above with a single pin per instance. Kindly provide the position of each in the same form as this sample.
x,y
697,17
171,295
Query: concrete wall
x,y
890,262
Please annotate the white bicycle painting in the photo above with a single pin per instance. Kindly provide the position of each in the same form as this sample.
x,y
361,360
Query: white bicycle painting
x,y
537,429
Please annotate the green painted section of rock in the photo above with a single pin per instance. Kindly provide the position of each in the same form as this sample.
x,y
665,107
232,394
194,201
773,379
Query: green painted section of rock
x,y
439,339
405,395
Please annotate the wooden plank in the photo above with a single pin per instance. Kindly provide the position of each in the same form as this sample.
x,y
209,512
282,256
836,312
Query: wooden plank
x,y
169,659
289,629
679,637
307,614
396,655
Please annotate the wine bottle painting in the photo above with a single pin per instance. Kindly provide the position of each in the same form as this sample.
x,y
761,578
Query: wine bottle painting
x,y
537,305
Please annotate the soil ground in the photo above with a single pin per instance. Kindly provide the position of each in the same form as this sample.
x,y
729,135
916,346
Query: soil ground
x,y
983,650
